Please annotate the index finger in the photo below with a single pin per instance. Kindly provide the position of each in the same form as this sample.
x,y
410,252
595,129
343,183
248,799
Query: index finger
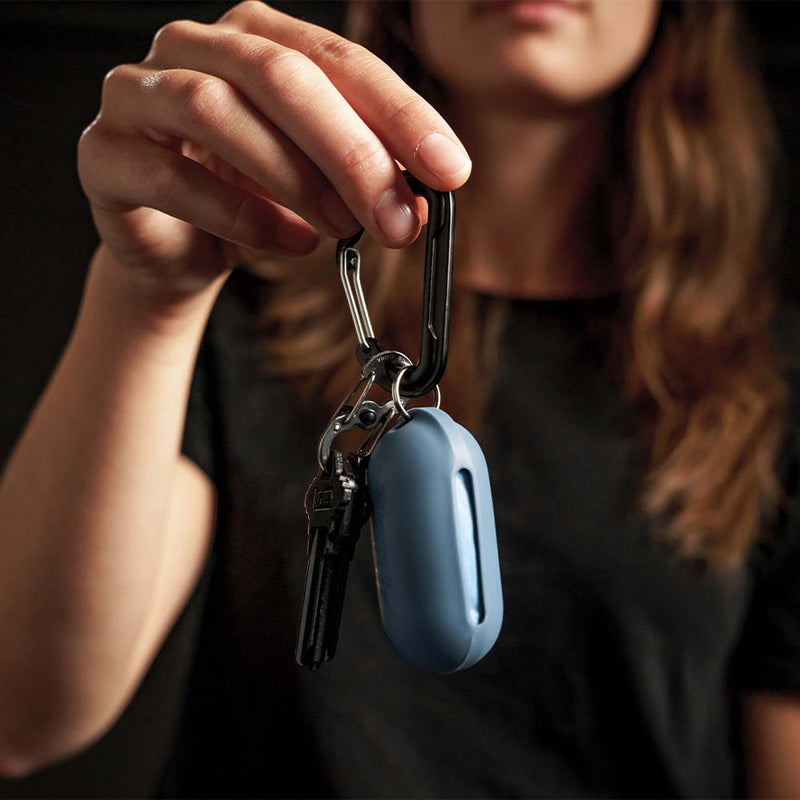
x,y
408,126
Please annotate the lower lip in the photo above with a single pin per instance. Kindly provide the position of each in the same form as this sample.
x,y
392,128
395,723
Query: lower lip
x,y
539,12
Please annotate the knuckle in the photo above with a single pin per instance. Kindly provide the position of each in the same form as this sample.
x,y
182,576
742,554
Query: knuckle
x,y
251,7
244,11
282,71
96,149
365,158
203,99
408,111
117,76
88,137
337,49
86,150
173,32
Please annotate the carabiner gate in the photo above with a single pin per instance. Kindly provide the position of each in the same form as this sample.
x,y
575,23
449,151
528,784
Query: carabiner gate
x,y
423,376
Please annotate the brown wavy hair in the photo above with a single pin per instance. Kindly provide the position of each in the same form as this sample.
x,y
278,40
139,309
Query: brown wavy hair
x,y
684,215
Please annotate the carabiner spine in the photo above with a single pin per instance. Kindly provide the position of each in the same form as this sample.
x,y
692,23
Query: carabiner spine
x,y
435,328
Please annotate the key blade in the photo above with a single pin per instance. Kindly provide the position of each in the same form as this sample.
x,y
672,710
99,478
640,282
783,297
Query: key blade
x,y
308,652
323,601
337,506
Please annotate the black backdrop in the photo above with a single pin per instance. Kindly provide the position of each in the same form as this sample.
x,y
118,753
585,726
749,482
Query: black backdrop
x,y
53,57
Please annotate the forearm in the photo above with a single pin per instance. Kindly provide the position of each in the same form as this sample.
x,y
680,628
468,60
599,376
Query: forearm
x,y
771,744
82,506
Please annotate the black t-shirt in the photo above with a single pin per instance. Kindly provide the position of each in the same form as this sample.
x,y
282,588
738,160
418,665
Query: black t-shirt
x,y
616,668
615,671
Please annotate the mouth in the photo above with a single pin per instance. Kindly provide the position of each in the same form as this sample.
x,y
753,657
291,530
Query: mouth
x,y
535,12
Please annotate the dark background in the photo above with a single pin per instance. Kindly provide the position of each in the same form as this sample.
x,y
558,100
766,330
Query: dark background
x,y
53,57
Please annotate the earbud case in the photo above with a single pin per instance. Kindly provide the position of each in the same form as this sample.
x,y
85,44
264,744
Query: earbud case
x,y
434,542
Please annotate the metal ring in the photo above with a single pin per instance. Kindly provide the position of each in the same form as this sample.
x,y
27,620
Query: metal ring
x,y
398,403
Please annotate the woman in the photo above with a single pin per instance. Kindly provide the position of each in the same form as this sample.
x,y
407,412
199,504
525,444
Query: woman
x,y
610,346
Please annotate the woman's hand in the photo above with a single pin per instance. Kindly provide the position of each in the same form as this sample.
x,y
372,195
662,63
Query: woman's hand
x,y
260,130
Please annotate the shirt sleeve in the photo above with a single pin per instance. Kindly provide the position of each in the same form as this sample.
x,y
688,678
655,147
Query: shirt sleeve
x,y
767,656
198,431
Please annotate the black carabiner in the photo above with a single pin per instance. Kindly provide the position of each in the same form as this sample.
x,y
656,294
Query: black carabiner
x,y
423,376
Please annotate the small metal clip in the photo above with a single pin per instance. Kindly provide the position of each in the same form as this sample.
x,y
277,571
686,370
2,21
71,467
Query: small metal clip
x,y
365,414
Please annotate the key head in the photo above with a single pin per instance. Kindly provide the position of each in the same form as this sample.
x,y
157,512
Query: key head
x,y
331,491
334,503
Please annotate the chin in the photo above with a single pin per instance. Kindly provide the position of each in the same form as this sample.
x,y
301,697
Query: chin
x,y
550,73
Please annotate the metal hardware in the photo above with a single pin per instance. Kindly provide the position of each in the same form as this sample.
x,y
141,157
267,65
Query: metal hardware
x,y
426,373
397,400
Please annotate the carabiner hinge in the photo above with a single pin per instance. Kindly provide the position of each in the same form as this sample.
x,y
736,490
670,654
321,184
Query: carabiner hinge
x,y
362,413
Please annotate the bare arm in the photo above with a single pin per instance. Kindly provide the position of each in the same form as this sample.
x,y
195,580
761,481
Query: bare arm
x,y
771,745
84,503
260,130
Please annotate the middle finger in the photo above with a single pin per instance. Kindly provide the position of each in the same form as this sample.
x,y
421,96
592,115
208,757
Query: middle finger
x,y
296,96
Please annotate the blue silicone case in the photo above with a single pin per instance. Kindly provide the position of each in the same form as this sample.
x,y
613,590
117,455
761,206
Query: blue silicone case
x,y
434,542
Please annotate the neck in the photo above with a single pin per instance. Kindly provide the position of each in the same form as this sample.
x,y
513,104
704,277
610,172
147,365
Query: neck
x,y
527,224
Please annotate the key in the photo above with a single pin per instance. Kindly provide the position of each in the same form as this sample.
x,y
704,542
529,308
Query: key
x,y
337,506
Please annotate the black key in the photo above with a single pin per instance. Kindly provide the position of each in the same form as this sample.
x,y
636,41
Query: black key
x,y
337,506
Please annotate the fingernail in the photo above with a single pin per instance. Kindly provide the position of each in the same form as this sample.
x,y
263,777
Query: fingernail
x,y
395,218
443,156
295,239
337,213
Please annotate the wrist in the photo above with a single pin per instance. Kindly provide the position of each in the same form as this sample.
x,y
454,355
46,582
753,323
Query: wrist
x,y
149,304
